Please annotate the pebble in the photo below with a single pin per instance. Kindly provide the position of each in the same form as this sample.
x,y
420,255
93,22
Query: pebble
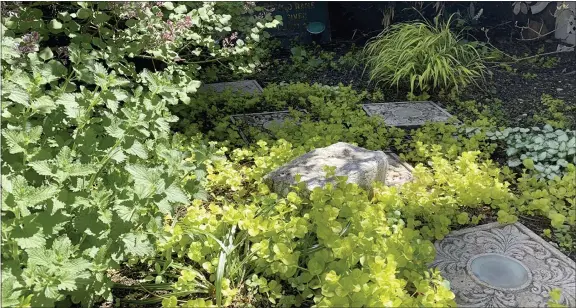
x,y
559,89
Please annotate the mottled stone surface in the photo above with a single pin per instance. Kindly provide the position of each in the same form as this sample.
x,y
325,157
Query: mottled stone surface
x,y
245,86
399,172
497,265
407,114
361,166
263,121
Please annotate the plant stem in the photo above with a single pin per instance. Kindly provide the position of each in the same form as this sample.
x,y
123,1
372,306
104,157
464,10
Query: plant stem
x,y
108,156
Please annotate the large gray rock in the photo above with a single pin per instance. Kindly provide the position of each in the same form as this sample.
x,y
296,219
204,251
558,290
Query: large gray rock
x,y
361,166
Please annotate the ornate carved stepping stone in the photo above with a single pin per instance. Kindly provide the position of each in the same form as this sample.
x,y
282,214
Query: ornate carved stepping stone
x,y
263,121
399,172
497,265
407,114
246,86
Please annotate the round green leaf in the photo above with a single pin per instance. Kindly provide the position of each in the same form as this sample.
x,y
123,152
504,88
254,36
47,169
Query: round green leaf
x,y
46,54
64,16
131,23
84,13
169,5
54,24
101,17
181,9
528,163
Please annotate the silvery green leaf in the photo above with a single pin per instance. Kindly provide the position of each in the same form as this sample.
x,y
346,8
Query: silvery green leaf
x,y
536,129
538,140
523,156
511,151
548,128
539,167
554,167
560,132
562,146
514,163
552,151
542,156
524,130
553,144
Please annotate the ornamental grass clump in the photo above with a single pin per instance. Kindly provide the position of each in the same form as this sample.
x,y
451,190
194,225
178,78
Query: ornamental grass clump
x,y
423,56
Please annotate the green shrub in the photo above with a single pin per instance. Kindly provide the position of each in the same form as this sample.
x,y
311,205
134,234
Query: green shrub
x,y
424,57
337,247
89,165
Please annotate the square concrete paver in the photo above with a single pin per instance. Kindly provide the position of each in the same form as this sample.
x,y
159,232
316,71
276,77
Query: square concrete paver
x,y
497,265
246,86
399,172
407,114
263,121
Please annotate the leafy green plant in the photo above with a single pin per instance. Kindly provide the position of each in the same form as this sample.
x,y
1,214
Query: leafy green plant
x,y
508,68
313,242
424,57
554,199
557,114
549,151
529,76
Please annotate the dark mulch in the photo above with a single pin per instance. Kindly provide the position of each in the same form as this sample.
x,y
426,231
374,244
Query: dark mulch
x,y
520,91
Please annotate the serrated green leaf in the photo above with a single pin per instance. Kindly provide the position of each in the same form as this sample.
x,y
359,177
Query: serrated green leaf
x,y
175,194
16,93
138,149
42,167
138,244
29,236
43,105
71,107
117,155
128,214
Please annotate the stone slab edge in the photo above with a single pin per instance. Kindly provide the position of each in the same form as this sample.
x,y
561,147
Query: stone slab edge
x,y
235,121
239,81
396,157
408,125
524,229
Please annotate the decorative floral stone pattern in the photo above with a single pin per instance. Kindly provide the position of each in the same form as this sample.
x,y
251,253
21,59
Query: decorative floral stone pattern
x,y
547,268
246,86
398,172
407,114
262,121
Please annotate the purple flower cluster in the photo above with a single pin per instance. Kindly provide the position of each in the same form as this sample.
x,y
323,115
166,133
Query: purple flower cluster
x,y
230,41
174,29
29,43
62,53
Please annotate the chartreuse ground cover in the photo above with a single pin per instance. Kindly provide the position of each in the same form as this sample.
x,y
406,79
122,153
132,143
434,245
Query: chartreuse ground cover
x,y
111,170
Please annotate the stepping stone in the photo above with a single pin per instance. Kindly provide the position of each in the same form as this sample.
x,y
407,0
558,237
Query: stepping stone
x,y
246,86
263,121
497,265
399,172
407,114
